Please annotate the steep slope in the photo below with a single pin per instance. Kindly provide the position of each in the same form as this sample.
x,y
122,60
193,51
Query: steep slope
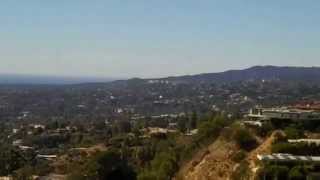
x,y
255,73
288,74
215,162
211,163
263,148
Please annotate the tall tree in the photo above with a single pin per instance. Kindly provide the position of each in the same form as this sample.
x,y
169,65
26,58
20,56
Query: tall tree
x,y
193,120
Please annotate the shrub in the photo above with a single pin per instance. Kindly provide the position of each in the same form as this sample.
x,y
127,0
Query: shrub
x,y
273,172
162,167
265,129
210,129
244,139
293,133
297,173
106,165
239,156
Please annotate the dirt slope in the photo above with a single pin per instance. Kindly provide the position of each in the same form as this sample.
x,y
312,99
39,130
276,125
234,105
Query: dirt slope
x,y
212,163
215,161
263,148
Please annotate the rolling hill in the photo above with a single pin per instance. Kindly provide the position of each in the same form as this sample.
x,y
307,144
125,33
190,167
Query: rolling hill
x,y
298,74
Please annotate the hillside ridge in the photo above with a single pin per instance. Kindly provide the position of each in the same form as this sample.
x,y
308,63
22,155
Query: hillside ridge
x,y
275,73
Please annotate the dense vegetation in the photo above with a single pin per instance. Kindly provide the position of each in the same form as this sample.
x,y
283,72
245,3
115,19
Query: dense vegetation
x,y
156,158
117,115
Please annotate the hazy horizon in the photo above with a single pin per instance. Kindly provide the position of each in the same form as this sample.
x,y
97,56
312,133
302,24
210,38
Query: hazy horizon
x,y
150,39
119,78
56,79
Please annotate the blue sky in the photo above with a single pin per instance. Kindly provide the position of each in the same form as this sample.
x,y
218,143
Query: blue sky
x,y
153,38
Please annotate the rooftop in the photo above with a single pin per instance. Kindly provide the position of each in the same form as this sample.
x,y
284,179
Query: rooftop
x,y
288,158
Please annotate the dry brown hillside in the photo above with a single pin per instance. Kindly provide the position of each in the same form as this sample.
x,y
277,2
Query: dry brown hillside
x,y
215,162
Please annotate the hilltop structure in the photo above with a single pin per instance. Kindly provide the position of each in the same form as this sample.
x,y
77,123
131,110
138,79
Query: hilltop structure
x,y
293,113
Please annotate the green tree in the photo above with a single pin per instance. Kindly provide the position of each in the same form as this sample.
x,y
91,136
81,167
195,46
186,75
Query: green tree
x,y
297,173
105,166
163,167
244,139
182,124
210,129
274,172
10,160
193,120
293,133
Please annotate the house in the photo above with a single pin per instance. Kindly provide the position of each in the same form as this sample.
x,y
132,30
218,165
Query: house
x,y
172,126
37,126
25,148
47,157
17,142
253,123
155,131
15,131
192,132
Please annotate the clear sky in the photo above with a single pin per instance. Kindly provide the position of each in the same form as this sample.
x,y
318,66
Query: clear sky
x,y
153,38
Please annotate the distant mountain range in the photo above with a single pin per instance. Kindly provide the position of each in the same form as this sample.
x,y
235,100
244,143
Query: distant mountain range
x,y
298,74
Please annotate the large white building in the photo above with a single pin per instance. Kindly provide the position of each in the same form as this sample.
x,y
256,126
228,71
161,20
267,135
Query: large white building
x,y
284,113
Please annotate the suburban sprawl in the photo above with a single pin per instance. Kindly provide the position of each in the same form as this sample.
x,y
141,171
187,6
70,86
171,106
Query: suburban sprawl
x,y
193,127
